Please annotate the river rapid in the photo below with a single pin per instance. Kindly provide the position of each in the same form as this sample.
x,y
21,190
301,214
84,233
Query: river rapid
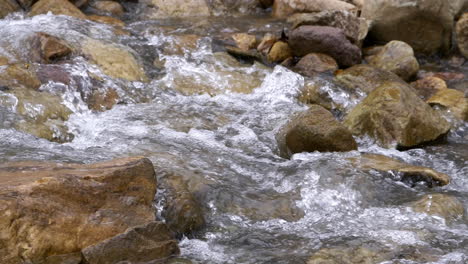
x,y
260,208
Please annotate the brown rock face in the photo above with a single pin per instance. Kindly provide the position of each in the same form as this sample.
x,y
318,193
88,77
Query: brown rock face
x,y
332,41
462,34
314,63
47,48
453,100
244,41
57,7
284,8
406,171
49,209
314,130
397,57
8,6
394,114
426,25
428,86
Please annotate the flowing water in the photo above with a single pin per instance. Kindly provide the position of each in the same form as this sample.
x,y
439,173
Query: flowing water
x,y
260,208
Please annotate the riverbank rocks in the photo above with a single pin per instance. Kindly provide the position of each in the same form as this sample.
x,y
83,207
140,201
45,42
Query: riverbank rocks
x,y
279,52
453,100
329,40
176,8
56,7
365,78
19,75
8,6
182,212
314,130
443,205
47,48
114,60
407,172
284,8
244,41
428,86
426,25
397,57
314,63
109,7
462,34
53,209
393,114
355,28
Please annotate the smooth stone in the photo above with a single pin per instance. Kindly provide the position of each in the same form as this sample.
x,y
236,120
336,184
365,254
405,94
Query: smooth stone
x,y
428,86
279,52
443,205
245,41
47,48
176,8
453,100
110,7
314,63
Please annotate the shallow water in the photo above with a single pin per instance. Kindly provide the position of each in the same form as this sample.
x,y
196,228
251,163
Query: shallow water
x,y
260,208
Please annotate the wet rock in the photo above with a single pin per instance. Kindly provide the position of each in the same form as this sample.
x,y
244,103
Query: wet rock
x,y
453,100
393,114
176,8
349,255
52,209
443,205
372,50
397,57
47,48
407,172
314,63
314,130
109,7
355,28
4,61
8,6
43,115
462,34
428,86
234,8
426,25
57,7
446,76
312,94
364,78
107,20
279,52
139,244
245,41
284,8
113,60
248,55
181,44
332,41
266,43
102,100
19,75
182,212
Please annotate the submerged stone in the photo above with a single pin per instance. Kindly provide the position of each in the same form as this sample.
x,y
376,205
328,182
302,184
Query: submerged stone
x,y
443,205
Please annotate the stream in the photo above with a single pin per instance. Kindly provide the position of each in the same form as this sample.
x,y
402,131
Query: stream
x,y
213,120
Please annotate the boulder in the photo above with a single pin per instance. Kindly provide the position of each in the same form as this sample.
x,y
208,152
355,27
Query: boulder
x,y
53,209
314,63
355,28
394,115
183,214
314,130
364,78
397,57
329,40
46,48
109,7
406,172
462,34
443,205
244,41
284,8
428,86
312,93
176,8
279,52
139,244
57,7
115,61
453,100
8,6
426,25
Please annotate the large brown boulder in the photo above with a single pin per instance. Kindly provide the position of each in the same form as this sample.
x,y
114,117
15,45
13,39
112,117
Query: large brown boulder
x,y
397,57
54,210
314,130
284,8
462,34
394,115
426,25
57,7
329,40
355,28
8,6
406,172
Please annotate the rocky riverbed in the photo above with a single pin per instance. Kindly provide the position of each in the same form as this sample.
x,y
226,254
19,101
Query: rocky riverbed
x,y
245,131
